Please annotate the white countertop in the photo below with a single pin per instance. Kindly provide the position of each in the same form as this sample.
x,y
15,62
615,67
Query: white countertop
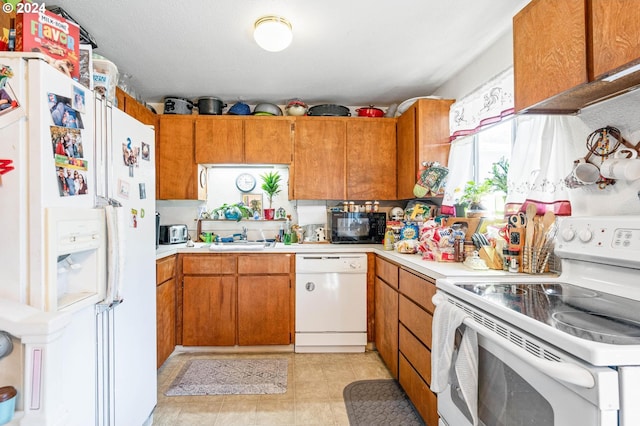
x,y
412,261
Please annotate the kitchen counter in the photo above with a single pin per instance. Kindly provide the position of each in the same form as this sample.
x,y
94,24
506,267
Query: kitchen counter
x,y
411,261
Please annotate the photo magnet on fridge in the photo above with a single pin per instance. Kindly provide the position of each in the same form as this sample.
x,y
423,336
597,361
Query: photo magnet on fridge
x,y
134,218
146,151
78,99
62,112
130,154
143,191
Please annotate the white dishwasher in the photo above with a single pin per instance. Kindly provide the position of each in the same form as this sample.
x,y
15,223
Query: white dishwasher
x,y
331,302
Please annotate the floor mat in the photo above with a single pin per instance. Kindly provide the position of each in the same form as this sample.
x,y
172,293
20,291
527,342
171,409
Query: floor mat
x,y
379,402
230,377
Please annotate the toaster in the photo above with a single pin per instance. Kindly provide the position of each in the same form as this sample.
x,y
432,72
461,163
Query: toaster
x,y
173,234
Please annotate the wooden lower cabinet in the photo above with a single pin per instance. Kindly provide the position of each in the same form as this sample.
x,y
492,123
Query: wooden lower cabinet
x,y
263,310
265,299
403,321
423,399
386,322
237,299
386,313
209,300
415,315
165,308
209,311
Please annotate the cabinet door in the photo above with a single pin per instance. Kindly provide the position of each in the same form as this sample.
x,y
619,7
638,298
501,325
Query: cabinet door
x,y
421,396
407,158
165,320
268,140
219,140
550,50
319,158
423,135
615,28
177,171
264,310
209,311
371,159
386,321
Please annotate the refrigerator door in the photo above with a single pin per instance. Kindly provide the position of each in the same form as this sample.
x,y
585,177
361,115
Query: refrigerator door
x,y
60,155
128,329
58,371
30,132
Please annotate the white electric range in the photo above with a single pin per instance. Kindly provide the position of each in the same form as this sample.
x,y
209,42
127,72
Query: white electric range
x,y
555,350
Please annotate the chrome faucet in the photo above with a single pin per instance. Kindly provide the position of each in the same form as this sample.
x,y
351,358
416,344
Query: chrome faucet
x,y
243,236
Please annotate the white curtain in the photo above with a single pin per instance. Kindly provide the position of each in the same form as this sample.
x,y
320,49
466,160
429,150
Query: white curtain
x,y
460,172
486,105
542,156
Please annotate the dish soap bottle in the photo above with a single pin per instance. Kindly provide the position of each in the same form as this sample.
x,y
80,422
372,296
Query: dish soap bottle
x,y
287,231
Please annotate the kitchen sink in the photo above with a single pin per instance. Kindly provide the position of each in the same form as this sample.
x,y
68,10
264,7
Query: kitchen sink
x,y
241,245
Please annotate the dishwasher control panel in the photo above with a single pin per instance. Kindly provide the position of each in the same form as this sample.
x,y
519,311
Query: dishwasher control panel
x,y
331,262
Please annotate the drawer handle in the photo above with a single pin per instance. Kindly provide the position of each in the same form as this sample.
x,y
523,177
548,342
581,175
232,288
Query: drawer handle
x,y
310,286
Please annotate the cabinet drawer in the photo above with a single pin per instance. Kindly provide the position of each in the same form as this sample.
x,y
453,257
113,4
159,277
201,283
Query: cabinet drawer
x,y
416,319
420,290
387,271
209,264
424,400
165,269
264,264
416,353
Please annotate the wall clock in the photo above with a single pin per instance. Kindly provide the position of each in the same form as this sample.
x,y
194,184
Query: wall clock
x,y
245,182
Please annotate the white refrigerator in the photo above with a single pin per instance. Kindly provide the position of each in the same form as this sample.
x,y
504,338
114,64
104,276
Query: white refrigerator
x,y
77,203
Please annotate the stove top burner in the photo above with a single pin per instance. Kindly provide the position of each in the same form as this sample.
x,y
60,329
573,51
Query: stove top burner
x,y
598,328
584,313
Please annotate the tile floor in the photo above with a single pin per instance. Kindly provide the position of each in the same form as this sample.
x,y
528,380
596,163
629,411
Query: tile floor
x,y
313,397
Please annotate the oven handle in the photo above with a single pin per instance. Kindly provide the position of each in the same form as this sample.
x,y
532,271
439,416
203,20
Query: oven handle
x,y
564,371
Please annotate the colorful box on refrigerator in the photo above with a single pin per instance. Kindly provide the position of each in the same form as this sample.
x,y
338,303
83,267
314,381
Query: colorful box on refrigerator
x,y
52,35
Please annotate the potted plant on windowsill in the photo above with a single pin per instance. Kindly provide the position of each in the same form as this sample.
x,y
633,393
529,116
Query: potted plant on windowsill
x,y
472,197
271,187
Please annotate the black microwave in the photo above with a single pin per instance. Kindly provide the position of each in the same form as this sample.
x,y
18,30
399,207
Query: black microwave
x,y
357,227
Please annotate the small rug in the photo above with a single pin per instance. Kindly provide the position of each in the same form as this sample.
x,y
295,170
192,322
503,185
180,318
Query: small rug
x,y
230,377
379,402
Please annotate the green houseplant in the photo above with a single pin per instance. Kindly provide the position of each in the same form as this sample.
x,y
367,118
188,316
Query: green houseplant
x,y
499,171
236,211
472,197
271,187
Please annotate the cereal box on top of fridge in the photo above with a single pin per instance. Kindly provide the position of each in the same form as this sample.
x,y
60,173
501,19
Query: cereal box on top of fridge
x,y
52,35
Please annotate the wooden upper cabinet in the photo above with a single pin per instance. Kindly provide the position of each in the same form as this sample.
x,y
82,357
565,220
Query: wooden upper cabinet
x,y
243,140
615,35
371,159
550,50
177,173
219,140
319,159
268,140
564,49
135,109
422,135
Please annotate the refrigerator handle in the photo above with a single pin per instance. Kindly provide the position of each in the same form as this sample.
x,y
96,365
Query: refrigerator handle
x,y
114,213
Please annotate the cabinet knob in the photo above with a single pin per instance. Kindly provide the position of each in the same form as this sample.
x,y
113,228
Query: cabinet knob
x,y
310,286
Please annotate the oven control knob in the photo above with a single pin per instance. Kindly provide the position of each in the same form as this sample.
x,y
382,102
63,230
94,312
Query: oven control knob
x,y
585,235
568,234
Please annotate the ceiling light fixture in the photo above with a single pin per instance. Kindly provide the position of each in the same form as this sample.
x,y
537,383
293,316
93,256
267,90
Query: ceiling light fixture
x,y
273,33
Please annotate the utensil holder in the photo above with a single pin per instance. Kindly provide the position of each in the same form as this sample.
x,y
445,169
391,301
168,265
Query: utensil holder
x,y
535,260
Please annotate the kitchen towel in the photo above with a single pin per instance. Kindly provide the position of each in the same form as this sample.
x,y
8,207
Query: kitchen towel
x,y
446,320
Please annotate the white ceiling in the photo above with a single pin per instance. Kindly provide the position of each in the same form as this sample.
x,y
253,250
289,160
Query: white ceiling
x,y
353,52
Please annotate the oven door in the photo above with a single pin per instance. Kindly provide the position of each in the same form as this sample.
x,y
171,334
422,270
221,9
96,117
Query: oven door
x,y
517,388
